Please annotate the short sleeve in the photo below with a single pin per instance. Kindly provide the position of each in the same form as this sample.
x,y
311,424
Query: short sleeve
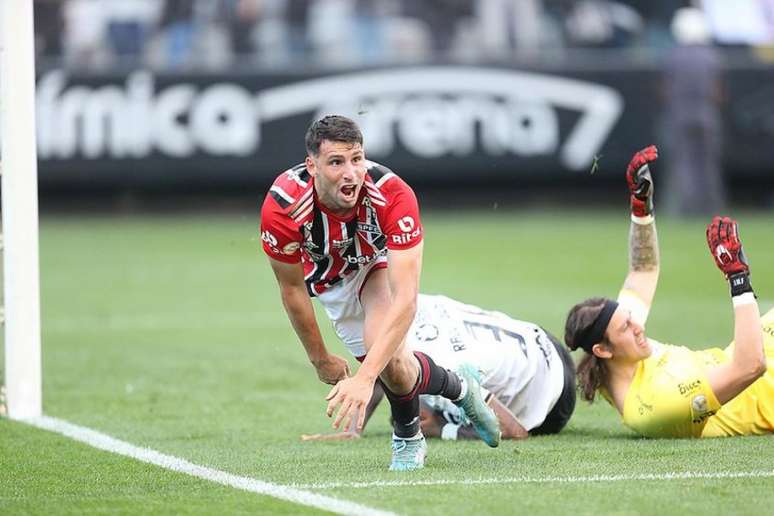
x,y
402,226
281,239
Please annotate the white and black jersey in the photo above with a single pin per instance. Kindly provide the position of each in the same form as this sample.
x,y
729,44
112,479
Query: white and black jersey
x,y
518,362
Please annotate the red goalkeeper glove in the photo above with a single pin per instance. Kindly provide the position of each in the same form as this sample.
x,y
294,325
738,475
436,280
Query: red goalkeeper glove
x,y
640,183
726,249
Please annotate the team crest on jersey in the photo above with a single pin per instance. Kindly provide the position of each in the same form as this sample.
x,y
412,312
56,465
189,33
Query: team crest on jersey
x,y
369,227
699,404
368,230
700,409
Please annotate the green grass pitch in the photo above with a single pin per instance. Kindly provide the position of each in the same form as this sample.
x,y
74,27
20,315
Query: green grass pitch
x,y
168,332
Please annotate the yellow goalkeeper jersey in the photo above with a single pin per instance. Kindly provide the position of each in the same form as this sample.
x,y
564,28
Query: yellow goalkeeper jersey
x,y
670,395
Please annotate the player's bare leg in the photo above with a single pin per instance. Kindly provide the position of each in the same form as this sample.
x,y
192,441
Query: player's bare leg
x,y
399,378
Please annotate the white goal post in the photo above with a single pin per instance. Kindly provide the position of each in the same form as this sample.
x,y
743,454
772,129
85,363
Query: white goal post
x,y
20,210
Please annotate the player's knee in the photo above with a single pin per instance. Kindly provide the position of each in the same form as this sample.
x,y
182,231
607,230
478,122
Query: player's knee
x,y
401,372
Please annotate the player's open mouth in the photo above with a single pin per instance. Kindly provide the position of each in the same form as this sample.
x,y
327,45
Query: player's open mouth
x,y
348,191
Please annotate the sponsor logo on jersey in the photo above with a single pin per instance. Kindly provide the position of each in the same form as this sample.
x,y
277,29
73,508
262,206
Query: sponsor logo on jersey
x,y
406,224
426,332
644,407
291,248
309,246
360,260
342,244
270,239
688,388
700,409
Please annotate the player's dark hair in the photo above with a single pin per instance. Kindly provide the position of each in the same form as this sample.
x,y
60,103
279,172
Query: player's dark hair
x,y
592,371
335,128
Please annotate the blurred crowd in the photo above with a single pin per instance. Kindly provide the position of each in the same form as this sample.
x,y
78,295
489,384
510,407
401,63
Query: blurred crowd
x,y
181,34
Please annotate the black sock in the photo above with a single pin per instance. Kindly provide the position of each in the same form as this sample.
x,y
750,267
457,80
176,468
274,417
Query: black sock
x,y
434,379
405,412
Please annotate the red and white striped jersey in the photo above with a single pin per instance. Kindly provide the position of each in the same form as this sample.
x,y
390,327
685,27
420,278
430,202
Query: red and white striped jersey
x,y
296,227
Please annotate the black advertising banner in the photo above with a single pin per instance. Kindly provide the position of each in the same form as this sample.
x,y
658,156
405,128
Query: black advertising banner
x,y
464,124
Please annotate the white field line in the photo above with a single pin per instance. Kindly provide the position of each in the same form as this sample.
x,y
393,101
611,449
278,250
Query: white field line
x,y
291,494
687,475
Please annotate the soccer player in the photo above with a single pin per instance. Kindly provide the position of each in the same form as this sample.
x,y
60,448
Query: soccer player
x,y
347,231
662,390
528,377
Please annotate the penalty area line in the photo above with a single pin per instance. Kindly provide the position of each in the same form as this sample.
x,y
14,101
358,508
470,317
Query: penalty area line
x,y
291,494
683,475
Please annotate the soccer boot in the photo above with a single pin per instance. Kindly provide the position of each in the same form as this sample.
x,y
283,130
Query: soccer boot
x,y
408,454
477,411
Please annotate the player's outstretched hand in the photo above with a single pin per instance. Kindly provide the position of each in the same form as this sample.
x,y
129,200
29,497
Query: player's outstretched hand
x,y
725,246
726,249
640,182
351,397
346,435
331,369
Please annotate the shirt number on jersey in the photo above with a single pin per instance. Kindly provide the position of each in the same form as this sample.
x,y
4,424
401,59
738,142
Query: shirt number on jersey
x,y
497,332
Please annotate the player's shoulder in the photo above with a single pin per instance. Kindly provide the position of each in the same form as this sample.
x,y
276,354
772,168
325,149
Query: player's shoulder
x,y
290,190
378,173
383,182
383,178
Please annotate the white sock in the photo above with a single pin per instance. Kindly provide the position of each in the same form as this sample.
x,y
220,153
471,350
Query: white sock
x,y
463,389
416,437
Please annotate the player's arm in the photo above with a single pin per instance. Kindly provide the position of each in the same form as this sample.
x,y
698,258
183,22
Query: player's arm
x,y
748,362
290,277
353,394
642,278
509,424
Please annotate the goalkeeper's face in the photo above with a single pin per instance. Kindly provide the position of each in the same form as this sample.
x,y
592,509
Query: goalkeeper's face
x,y
339,171
627,337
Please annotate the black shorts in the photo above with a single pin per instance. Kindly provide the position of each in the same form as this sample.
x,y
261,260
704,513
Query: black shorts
x,y
562,411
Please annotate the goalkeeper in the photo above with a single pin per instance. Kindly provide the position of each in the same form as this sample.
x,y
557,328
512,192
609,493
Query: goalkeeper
x,y
527,377
662,390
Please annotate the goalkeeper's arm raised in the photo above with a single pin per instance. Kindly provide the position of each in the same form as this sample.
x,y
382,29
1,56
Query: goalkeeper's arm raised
x,y
748,361
641,281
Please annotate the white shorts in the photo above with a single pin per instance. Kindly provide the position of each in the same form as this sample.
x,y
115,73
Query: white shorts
x,y
342,304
